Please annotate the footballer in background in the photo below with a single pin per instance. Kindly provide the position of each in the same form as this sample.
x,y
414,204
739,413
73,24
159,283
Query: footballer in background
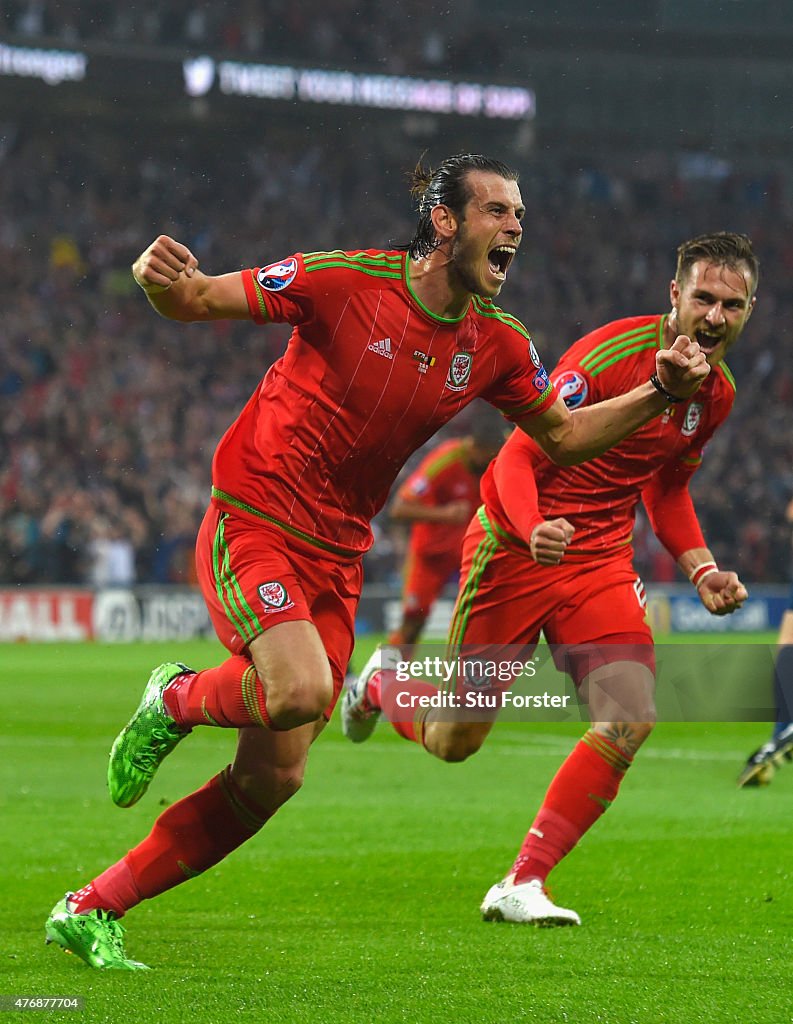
x,y
437,500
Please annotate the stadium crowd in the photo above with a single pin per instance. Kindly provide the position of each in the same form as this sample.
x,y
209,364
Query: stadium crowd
x,y
330,32
109,416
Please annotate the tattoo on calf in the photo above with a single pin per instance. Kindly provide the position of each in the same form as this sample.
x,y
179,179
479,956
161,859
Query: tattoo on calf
x,y
623,735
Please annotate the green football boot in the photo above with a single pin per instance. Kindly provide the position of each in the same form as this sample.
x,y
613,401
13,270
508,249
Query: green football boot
x,y
145,741
96,937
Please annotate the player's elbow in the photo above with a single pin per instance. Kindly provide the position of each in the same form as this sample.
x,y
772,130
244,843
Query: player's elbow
x,y
565,443
166,305
571,458
198,308
564,454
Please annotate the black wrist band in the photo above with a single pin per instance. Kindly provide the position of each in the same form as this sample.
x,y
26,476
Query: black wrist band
x,y
662,390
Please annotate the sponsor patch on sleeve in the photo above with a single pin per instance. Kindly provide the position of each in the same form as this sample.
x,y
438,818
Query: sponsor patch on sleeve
x,y
540,380
278,276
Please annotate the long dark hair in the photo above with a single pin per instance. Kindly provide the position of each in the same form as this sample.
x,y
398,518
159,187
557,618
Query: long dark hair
x,y
446,185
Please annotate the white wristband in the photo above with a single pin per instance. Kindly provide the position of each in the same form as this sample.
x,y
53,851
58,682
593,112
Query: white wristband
x,y
701,572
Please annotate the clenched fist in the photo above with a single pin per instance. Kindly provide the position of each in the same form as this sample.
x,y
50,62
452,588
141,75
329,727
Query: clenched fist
x,y
682,368
159,266
549,541
722,593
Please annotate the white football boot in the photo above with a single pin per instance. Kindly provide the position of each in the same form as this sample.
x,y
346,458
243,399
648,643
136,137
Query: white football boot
x,y
526,903
358,715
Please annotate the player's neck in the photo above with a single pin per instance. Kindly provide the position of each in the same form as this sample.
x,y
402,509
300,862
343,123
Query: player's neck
x,y
433,285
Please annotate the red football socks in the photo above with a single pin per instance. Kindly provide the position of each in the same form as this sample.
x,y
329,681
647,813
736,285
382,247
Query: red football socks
x,y
189,837
399,702
580,792
230,695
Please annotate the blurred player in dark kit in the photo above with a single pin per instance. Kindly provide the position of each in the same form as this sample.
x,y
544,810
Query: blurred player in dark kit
x,y
762,765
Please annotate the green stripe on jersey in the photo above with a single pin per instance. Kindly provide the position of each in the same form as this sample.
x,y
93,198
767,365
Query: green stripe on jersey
x,y
260,298
384,265
394,275
433,316
622,355
626,337
334,549
440,462
395,258
727,374
607,349
521,410
486,308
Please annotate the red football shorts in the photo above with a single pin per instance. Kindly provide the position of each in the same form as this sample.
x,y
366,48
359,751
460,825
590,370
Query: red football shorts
x,y
255,577
425,578
592,612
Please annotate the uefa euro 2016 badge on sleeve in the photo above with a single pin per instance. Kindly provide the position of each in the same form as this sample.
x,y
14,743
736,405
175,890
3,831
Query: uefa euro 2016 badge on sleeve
x,y
278,276
572,387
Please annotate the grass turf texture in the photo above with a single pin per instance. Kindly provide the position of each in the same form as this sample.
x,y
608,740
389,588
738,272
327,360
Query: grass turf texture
x,y
359,901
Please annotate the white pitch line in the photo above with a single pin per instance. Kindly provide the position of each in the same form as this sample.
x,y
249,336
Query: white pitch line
x,y
545,745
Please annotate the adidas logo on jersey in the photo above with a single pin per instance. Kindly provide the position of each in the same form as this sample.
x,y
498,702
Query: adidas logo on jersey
x,y
381,348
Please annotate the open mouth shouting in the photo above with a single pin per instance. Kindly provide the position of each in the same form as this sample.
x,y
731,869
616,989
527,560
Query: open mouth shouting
x,y
499,259
708,342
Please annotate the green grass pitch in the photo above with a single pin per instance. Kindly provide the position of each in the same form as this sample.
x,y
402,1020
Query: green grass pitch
x,y
359,901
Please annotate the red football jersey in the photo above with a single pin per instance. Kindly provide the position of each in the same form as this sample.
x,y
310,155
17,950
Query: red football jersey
x,y
441,477
368,376
599,497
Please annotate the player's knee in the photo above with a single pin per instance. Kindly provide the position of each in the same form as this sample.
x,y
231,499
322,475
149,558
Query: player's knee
x,y
643,729
452,744
299,697
645,718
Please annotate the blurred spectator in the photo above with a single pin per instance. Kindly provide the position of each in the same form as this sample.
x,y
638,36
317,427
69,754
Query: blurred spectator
x,y
111,553
411,36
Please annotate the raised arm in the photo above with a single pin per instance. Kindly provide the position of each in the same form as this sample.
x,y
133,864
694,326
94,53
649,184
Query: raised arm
x,y
674,521
168,273
571,438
